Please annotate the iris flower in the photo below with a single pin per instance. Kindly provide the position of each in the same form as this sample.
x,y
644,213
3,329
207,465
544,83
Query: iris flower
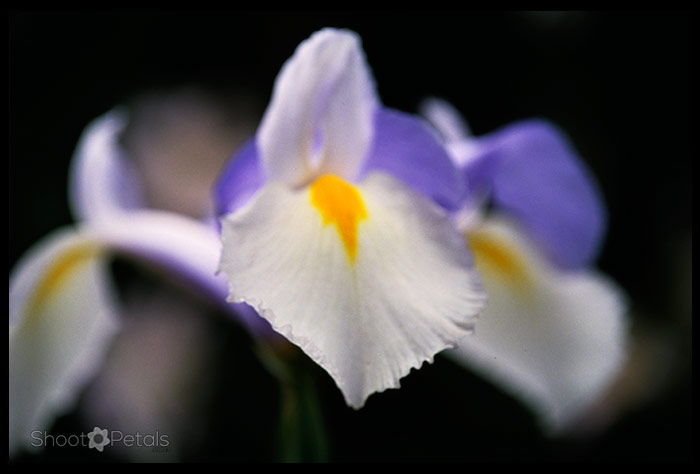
x,y
554,332
335,225
360,234
63,307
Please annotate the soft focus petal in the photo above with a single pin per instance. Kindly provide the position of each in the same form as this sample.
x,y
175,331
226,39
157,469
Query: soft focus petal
x,y
62,308
448,122
321,111
535,175
184,247
370,281
103,182
542,181
553,339
405,147
241,178
61,322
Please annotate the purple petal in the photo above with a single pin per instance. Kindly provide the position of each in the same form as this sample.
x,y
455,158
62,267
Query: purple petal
x,y
405,148
536,176
477,158
240,179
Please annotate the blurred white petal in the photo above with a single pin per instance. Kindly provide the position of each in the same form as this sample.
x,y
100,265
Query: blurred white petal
x,y
62,307
185,246
61,321
103,182
553,339
164,154
446,120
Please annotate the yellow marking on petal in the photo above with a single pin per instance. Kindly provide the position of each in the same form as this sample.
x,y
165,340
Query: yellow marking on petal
x,y
497,257
58,272
341,204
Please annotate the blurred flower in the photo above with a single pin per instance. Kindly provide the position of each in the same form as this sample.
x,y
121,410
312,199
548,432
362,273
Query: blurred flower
x,y
64,311
334,230
554,332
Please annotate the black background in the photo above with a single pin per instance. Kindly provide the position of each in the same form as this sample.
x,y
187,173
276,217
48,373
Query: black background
x,y
618,83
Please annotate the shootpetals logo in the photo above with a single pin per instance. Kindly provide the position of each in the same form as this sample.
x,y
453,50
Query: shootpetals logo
x,y
99,438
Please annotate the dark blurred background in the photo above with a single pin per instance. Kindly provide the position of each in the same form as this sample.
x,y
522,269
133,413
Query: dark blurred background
x,y
618,83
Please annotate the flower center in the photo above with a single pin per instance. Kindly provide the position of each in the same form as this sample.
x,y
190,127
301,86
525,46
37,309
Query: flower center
x,y
341,204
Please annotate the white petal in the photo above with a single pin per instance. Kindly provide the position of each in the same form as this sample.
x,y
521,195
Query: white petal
x,y
553,339
408,292
102,180
324,98
445,119
179,243
454,131
61,320
186,248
